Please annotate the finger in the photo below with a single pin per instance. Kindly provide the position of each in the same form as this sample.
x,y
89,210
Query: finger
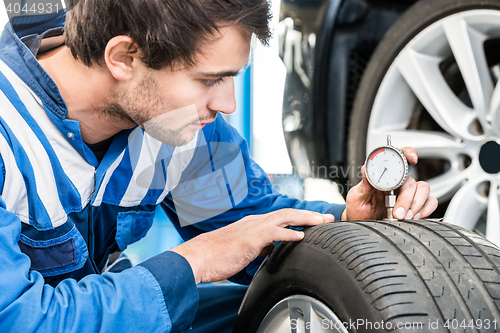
x,y
405,198
287,235
364,190
429,206
411,155
299,217
419,199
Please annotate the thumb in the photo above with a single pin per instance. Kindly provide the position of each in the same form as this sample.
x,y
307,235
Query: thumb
x,y
364,188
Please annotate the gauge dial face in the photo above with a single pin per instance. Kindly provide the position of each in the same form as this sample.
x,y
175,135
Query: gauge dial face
x,y
386,168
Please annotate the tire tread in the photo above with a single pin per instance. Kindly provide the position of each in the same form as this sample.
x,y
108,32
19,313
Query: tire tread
x,y
460,276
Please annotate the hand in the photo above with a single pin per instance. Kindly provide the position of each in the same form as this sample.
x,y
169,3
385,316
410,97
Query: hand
x,y
364,202
219,254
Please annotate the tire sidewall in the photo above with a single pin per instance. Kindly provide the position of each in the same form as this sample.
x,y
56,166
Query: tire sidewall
x,y
297,276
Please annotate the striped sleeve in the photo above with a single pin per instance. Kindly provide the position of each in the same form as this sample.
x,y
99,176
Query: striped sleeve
x,y
39,167
131,301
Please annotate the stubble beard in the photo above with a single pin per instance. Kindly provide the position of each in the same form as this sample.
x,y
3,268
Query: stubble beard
x,y
131,108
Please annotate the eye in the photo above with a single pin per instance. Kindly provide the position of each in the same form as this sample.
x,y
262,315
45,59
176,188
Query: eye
x,y
211,83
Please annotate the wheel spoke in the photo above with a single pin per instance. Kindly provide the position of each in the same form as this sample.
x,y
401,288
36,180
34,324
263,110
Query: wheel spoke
x,y
467,45
422,74
467,205
301,314
392,111
314,321
444,186
300,308
494,112
493,215
294,311
428,144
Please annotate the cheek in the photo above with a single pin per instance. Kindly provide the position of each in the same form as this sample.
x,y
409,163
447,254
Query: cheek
x,y
180,93
198,97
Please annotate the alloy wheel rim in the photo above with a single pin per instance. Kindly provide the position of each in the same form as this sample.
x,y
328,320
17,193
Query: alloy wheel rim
x,y
301,314
415,77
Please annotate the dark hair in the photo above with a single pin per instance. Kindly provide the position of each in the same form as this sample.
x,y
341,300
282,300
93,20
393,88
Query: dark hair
x,y
168,32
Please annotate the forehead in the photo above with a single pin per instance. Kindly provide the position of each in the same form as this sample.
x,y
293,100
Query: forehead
x,y
229,51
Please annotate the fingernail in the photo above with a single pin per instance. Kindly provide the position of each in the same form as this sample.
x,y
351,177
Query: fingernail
x,y
417,216
409,214
329,216
399,213
300,234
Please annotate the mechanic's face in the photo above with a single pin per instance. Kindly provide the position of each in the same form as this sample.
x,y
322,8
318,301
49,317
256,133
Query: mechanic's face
x,y
171,105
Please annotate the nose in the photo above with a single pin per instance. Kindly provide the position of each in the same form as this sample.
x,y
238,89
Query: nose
x,y
223,98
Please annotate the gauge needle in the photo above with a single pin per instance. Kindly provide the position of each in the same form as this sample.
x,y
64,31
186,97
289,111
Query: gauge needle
x,y
385,169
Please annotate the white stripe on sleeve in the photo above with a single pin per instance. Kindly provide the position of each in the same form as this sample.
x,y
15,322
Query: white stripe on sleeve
x,y
39,160
77,169
14,189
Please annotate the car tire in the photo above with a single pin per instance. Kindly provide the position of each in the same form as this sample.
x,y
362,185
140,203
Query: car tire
x,y
375,276
431,85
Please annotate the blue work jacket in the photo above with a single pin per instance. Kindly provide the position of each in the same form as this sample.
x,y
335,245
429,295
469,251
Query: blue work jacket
x,y
62,213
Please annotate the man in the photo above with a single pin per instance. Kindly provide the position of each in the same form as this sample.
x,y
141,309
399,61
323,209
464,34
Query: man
x,y
83,117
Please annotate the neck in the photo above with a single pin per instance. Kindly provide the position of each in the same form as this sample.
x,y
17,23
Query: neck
x,y
86,92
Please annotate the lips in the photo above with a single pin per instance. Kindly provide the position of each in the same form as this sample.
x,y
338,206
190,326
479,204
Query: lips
x,y
203,123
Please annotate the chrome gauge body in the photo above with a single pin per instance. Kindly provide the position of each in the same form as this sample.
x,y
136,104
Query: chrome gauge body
x,y
386,168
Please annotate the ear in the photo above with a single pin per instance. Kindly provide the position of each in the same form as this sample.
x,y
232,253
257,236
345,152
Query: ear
x,y
122,57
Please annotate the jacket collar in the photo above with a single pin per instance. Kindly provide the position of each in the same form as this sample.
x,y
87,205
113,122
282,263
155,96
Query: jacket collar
x,y
19,44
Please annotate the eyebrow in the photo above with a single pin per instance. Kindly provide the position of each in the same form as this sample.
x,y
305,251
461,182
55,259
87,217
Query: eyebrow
x,y
220,74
